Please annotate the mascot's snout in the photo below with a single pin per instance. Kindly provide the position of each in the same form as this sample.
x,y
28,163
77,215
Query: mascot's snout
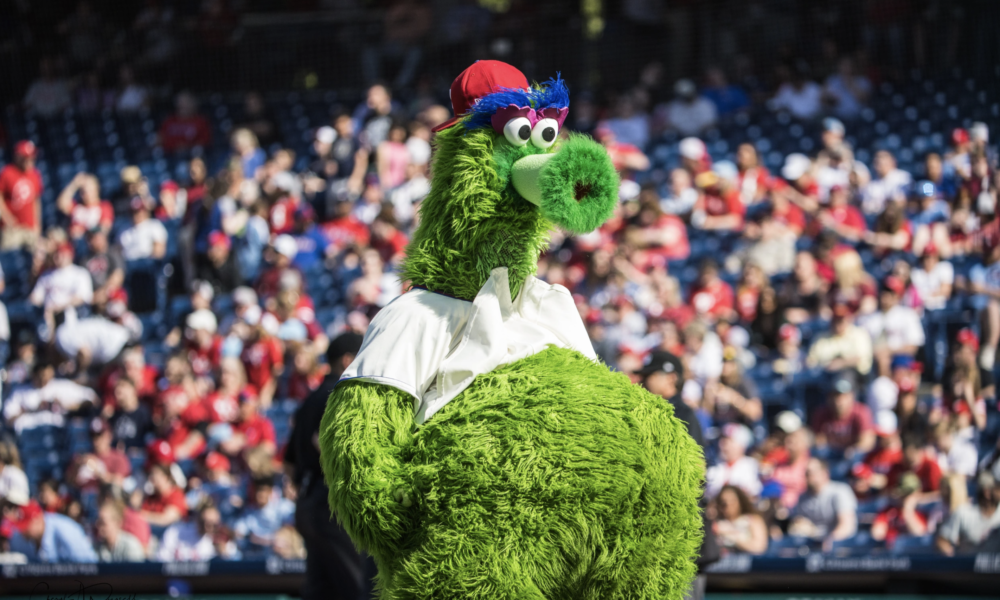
x,y
576,187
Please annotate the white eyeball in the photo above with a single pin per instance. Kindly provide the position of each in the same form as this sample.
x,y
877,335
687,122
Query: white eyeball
x,y
517,131
545,133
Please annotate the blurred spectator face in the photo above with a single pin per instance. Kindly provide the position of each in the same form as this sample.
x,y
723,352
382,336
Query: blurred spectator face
x,y
63,256
932,165
798,442
715,78
838,196
805,266
34,529
913,454
680,180
109,522
248,407
97,240
379,99
888,299
244,141
90,191
43,375
161,480
371,263
729,504
842,403
344,126
746,157
884,163
730,450
231,375
262,494
397,134
817,475
662,384
185,104
197,171
102,441
177,369
125,396
209,520
708,274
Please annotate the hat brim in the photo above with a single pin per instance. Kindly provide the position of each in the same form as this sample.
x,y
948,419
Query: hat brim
x,y
449,123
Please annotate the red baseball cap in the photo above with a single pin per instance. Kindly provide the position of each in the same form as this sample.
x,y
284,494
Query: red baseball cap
x,y
967,337
160,452
25,148
789,332
959,136
215,461
483,78
895,284
218,238
29,512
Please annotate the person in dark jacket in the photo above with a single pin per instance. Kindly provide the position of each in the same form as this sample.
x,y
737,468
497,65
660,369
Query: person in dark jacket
x,y
663,375
334,569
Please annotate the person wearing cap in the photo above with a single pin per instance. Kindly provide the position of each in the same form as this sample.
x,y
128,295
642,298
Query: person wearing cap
x,y
252,429
785,464
627,158
20,199
166,504
49,537
844,425
839,216
219,267
711,296
797,184
718,207
282,252
955,453
147,237
663,375
827,511
870,476
894,328
846,91
91,212
113,543
844,346
61,290
799,96
203,344
901,517
332,563
889,184
933,278
688,113
681,195
734,467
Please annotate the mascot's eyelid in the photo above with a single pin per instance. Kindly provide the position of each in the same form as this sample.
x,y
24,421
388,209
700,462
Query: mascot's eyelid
x,y
512,111
559,114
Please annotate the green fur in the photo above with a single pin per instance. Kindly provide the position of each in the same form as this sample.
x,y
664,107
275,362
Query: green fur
x,y
549,478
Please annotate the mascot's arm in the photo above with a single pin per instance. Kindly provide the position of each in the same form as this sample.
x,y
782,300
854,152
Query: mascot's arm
x,y
364,432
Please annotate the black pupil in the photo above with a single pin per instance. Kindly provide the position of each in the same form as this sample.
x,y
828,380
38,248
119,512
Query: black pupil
x,y
549,134
524,132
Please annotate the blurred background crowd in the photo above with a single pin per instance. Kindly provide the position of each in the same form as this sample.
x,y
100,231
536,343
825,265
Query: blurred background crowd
x,y
805,260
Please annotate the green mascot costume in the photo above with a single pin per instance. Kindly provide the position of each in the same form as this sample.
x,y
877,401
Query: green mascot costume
x,y
476,447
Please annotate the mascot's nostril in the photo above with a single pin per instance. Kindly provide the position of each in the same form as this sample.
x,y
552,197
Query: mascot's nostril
x,y
580,190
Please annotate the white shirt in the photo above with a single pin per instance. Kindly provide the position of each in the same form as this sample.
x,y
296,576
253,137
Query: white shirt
x,y
182,542
55,289
30,407
802,104
928,283
691,118
432,346
742,473
898,327
103,338
707,363
881,190
138,240
962,458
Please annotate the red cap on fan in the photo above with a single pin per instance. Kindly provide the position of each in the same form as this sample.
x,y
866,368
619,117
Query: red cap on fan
x,y
967,337
29,513
160,452
959,136
483,78
25,148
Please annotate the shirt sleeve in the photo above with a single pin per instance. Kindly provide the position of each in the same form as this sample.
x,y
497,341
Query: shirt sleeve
x,y
947,272
73,544
844,500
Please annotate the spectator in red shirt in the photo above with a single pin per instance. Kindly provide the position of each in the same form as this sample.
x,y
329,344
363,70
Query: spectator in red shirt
x,y
280,256
90,212
798,184
181,420
919,459
719,207
786,465
626,158
844,425
20,199
658,237
753,180
166,505
840,217
185,129
711,296
387,239
344,230
264,359
870,476
252,430
901,517
104,466
892,231
223,405
204,346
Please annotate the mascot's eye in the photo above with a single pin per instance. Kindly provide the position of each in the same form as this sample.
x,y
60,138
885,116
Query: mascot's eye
x,y
517,131
545,132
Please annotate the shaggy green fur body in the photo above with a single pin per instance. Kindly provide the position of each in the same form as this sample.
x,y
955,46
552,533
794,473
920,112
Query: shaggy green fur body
x,y
549,478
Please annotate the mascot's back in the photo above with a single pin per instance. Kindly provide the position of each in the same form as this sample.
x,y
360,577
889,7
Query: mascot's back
x,y
476,448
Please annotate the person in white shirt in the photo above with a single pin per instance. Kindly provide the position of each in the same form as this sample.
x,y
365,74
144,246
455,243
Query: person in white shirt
x,y
734,466
800,97
146,238
888,185
933,279
704,352
955,454
847,91
689,114
61,290
45,401
196,540
895,328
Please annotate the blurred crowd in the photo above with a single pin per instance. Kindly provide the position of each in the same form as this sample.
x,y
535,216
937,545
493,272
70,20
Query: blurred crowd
x,y
830,324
